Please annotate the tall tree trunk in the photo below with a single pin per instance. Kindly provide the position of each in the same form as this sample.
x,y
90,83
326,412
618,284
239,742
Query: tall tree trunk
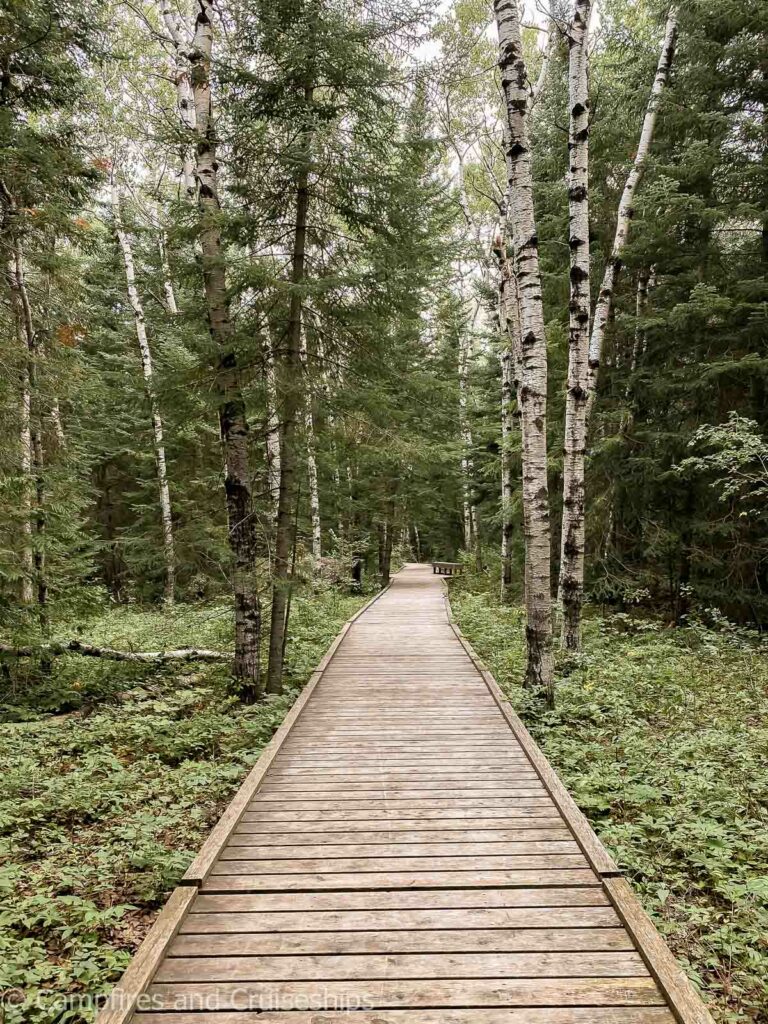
x,y
468,510
509,330
290,381
309,430
604,307
25,434
507,524
533,371
185,99
168,290
147,370
389,533
273,428
571,590
646,280
233,423
33,461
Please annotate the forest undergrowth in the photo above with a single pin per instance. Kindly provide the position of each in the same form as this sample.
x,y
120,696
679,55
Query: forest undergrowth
x,y
112,776
661,736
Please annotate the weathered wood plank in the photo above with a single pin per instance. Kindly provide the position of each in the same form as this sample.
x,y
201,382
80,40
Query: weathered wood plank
x,y
529,1015
260,882
386,900
404,993
241,861
250,846
496,940
249,833
529,811
401,965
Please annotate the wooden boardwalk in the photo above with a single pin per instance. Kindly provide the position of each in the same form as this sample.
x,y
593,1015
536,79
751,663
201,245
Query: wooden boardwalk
x,y
403,854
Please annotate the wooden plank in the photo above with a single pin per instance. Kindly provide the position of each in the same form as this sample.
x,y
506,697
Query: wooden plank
x,y
528,1015
241,860
256,849
142,968
372,966
685,1001
529,811
249,833
313,943
308,903
254,882
418,923
408,793
403,805
521,992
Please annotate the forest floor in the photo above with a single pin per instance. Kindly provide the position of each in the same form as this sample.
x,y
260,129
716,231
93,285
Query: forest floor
x,y
661,735
111,777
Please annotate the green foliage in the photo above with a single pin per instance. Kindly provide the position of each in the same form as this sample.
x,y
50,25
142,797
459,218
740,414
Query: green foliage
x,y
661,736
101,813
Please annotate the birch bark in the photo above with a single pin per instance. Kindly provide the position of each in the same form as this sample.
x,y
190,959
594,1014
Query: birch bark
x,y
309,429
273,428
33,555
533,388
571,589
233,423
466,442
604,307
509,329
185,100
25,440
147,370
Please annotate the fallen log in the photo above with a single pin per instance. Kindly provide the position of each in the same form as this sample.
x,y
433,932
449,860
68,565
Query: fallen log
x,y
91,651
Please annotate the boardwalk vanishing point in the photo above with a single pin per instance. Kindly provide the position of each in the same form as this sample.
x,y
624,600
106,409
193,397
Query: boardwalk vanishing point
x,y
403,853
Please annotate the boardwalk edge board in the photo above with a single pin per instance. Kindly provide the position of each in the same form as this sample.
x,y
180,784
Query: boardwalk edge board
x,y
685,1001
137,977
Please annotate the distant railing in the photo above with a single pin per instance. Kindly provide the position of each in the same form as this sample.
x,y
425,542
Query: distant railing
x,y
447,568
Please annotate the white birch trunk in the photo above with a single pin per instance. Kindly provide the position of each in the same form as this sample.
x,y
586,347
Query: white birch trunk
x,y
25,443
533,389
571,589
154,408
645,282
309,428
605,299
509,329
168,290
233,421
468,515
185,104
273,428
33,424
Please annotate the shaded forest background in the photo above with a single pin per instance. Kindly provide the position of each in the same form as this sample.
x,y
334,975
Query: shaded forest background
x,y
400,373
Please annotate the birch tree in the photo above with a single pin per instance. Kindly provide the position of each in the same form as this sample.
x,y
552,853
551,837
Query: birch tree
x,y
180,40
605,299
233,423
533,370
273,427
25,432
147,369
571,590
309,431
